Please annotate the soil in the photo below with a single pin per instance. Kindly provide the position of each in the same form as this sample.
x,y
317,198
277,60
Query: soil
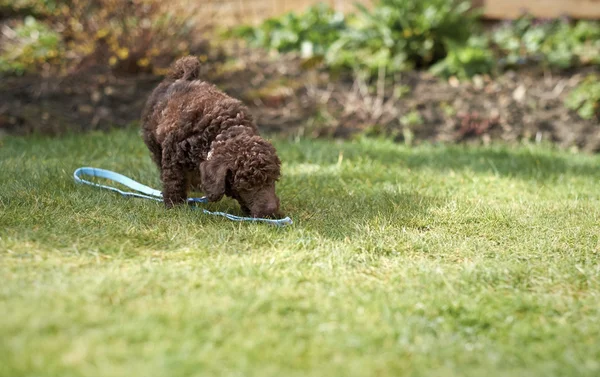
x,y
287,97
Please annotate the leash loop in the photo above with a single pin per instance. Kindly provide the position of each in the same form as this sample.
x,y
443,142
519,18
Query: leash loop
x,y
145,192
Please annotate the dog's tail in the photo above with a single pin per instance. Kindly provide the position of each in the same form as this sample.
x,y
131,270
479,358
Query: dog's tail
x,y
186,68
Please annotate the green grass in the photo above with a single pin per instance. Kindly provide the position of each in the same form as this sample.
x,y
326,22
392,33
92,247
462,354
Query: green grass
x,y
425,261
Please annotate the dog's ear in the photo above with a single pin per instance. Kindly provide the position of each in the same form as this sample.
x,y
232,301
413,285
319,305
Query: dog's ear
x,y
214,177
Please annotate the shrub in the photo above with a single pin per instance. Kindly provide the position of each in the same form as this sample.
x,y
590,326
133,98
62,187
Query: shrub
x,y
585,98
130,36
29,46
37,8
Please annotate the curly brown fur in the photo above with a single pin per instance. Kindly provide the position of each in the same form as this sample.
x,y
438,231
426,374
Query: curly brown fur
x,y
200,137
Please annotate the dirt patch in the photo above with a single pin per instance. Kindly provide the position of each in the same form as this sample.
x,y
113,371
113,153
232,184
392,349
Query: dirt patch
x,y
413,107
72,104
285,97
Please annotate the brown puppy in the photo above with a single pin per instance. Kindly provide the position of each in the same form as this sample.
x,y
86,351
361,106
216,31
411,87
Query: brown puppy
x,y
201,138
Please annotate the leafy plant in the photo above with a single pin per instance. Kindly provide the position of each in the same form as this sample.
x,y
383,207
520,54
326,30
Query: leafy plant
x,y
311,32
395,35
585,98
401,34
413,118
554,44
465,61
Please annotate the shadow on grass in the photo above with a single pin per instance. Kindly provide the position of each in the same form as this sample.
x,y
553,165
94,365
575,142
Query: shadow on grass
x,y
520,164
326,202
332,211
535,163
365,194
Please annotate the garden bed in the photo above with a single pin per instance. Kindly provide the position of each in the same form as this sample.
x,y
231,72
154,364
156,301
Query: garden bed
x,y
285,98
378,72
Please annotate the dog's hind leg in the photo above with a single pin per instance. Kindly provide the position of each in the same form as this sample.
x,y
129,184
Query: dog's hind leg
x,y
174,178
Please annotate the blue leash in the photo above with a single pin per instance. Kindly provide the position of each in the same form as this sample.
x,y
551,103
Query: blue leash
x,y
146,192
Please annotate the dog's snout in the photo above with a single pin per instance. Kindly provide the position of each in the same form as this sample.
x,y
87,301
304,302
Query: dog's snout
x,y
271,208
268,209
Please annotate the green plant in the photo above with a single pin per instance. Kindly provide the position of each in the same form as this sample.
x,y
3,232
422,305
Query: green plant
x,y
311,32
465,61
412,119
554,44
401,34
585,98
394,35
585,38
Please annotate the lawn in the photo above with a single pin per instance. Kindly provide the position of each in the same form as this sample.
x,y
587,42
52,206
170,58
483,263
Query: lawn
x,y
423,261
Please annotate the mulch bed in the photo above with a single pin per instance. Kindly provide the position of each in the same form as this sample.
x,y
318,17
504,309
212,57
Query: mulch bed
x,y
286,98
